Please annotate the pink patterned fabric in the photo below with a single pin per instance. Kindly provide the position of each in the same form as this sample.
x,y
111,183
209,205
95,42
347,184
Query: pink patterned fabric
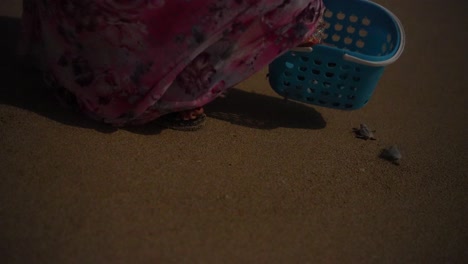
x,y
131,61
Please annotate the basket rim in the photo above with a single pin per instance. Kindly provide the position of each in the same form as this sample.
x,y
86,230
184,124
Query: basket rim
x,y
355,57
371,60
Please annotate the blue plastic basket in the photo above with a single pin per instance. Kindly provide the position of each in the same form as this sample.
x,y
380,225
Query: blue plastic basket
x,y
360,39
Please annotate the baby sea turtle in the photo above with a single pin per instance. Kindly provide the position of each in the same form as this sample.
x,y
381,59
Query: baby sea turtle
x,y
364,132
391,154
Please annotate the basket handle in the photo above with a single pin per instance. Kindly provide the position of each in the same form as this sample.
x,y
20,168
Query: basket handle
x,y
354,59
395,57
302,49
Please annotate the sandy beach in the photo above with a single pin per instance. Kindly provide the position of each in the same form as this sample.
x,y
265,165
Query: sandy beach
x,y
266,181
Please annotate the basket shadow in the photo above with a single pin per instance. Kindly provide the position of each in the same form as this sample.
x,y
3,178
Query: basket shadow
x,y
264,112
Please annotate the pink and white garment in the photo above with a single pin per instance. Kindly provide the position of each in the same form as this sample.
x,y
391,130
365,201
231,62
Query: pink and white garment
x,y
131,61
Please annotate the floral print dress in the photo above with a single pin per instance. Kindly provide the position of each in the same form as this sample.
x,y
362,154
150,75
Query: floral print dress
x,y
132,61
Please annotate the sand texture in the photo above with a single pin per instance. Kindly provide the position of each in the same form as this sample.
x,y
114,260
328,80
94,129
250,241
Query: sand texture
x,y
264,182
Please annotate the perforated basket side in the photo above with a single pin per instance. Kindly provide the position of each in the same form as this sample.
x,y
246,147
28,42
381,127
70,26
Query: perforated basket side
x,y
360,40
323,78
364,30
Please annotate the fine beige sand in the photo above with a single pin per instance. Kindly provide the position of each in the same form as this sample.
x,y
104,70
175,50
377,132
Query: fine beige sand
x,y
264,182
